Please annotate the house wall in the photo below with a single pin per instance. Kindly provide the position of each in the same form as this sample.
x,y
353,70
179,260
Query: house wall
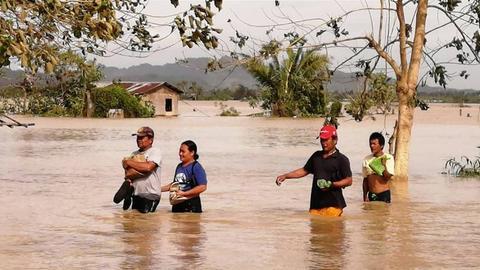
x,y
158,98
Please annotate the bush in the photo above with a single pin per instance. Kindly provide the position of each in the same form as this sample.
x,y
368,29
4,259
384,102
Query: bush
x,y
228,112
115,97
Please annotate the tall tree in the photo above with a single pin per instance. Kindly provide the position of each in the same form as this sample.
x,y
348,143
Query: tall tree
x,y
399,38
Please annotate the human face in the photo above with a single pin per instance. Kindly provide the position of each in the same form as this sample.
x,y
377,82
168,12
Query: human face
x,y
144,142
375,147
328,145
186,156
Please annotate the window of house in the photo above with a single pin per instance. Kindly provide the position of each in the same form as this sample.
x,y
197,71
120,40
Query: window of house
x,y
168,105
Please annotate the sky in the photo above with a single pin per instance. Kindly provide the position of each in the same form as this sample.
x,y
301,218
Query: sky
x,y
255,18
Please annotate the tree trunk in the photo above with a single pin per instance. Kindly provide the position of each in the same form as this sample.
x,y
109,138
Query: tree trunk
x,y
406,109
88,108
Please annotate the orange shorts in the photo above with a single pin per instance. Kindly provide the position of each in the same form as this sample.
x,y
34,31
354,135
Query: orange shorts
x,y
327,212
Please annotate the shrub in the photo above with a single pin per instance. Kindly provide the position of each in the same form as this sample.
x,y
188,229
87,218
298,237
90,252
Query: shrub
x,y
115,97
228,112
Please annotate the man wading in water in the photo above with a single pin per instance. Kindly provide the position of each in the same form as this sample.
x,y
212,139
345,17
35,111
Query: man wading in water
x,y
377,170
331,173
142,176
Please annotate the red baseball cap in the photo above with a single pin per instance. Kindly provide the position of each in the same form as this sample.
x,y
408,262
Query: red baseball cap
x,y
328,131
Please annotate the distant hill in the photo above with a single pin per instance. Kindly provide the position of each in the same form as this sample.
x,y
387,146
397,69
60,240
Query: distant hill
x,y
193,69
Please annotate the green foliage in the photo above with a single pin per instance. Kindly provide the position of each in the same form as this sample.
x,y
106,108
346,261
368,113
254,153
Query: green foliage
x,y
191,90
334,112
379,95
228,111
465,167
451,96
195,25
244,93
221,94
293,87
36,32
336,108
359,105
115,97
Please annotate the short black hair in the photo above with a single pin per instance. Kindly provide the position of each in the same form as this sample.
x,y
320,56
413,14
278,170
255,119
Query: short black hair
x,y
379,137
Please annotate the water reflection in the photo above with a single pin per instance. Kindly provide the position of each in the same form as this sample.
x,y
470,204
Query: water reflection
x,y
186,234
140,233
399,191
327,243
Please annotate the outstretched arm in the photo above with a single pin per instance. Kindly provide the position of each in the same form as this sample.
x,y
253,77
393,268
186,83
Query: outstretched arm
x,y
298,173
166,187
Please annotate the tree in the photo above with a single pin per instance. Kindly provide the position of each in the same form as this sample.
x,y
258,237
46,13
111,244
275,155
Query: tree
x,y
405,32
380,94
76,77
36,32
294,86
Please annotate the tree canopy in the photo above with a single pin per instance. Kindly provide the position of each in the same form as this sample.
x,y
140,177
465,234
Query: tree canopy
x,y
36,32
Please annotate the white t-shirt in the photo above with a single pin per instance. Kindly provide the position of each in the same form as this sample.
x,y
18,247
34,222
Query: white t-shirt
x,y
389,164
150,185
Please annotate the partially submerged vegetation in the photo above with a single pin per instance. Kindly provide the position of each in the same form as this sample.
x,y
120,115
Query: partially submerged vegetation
x,y
228,111
465,167
115,96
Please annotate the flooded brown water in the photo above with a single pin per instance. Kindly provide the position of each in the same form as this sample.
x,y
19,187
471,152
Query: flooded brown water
x,y
57,181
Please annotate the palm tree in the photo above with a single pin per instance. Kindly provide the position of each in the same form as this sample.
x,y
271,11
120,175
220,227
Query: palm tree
x,y
295,86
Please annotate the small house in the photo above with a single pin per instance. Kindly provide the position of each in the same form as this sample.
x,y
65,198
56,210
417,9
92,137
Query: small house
x,y
162,95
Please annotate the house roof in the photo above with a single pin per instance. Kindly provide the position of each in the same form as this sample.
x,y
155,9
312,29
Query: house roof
x,y
141,88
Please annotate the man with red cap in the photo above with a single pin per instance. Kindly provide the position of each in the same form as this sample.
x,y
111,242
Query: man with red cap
x,y
331,173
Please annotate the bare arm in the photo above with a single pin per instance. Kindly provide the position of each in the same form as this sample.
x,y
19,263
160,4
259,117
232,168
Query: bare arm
x,y
166,187
345,182
298,173
142,167
365,189
192,192
386,174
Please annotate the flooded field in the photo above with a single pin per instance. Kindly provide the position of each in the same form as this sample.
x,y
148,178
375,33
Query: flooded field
x,y
58,179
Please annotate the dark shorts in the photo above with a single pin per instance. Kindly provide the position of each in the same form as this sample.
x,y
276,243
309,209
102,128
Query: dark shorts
x,y
379,197
144,205
193,205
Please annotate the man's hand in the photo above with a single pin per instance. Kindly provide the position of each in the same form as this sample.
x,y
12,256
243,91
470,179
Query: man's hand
x,y
124,163
323,184
384,161
133,174
280,179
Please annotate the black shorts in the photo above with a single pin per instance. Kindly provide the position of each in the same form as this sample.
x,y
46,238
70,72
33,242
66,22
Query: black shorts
x,y
379,197
144,205
193,205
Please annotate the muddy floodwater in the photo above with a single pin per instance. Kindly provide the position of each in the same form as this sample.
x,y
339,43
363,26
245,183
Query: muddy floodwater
x,y
57,180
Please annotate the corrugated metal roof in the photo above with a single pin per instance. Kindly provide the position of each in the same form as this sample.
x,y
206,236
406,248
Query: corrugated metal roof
x,y
141,88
